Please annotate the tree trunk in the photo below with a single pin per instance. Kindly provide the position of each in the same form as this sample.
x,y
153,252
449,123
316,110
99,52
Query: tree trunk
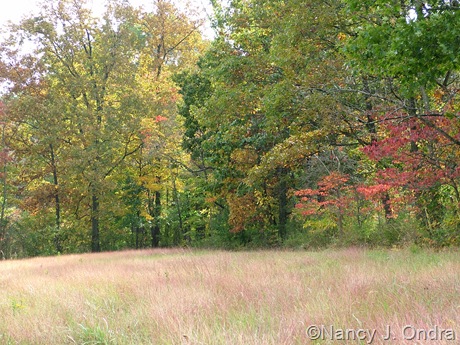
x,y
372,128
95,243
387,207
155,229
178,234
57,202
3,221
370,124
282,203
340,214
135,232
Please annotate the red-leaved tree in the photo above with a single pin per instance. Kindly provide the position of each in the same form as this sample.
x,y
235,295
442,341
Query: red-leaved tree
x,y
332,195
415,156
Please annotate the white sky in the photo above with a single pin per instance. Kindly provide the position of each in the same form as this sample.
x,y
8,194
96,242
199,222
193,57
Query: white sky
x,y
14,10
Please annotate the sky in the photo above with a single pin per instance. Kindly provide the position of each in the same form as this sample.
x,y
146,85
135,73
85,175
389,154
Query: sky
x,y
14,10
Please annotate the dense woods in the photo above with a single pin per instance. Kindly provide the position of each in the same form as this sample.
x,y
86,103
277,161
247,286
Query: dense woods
x,y
301,123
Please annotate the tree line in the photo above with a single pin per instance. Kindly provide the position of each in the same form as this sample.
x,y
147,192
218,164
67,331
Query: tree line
x,y
302,123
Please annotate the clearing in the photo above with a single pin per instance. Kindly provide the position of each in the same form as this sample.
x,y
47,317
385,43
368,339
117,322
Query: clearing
x,y
173,296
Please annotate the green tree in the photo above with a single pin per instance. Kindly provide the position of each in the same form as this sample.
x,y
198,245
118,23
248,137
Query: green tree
x,y
409,50
88,100
259,106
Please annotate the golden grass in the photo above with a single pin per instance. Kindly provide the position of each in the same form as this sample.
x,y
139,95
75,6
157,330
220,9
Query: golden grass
x,y
215,297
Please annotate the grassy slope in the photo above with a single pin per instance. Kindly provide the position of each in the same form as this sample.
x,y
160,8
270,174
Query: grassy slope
x,y
183,297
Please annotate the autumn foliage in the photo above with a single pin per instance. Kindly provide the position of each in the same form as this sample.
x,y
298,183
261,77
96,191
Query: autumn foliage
x,y
299,123
330,194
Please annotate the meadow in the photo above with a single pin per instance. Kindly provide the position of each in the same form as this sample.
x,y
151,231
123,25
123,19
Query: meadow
x,y
177,296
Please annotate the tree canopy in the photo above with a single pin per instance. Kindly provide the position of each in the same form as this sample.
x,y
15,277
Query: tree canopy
x,y
301,123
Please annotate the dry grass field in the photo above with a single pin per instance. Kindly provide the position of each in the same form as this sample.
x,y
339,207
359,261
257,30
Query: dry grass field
x,y
215,297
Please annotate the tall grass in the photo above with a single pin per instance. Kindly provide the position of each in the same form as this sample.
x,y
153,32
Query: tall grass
x,y
215,297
